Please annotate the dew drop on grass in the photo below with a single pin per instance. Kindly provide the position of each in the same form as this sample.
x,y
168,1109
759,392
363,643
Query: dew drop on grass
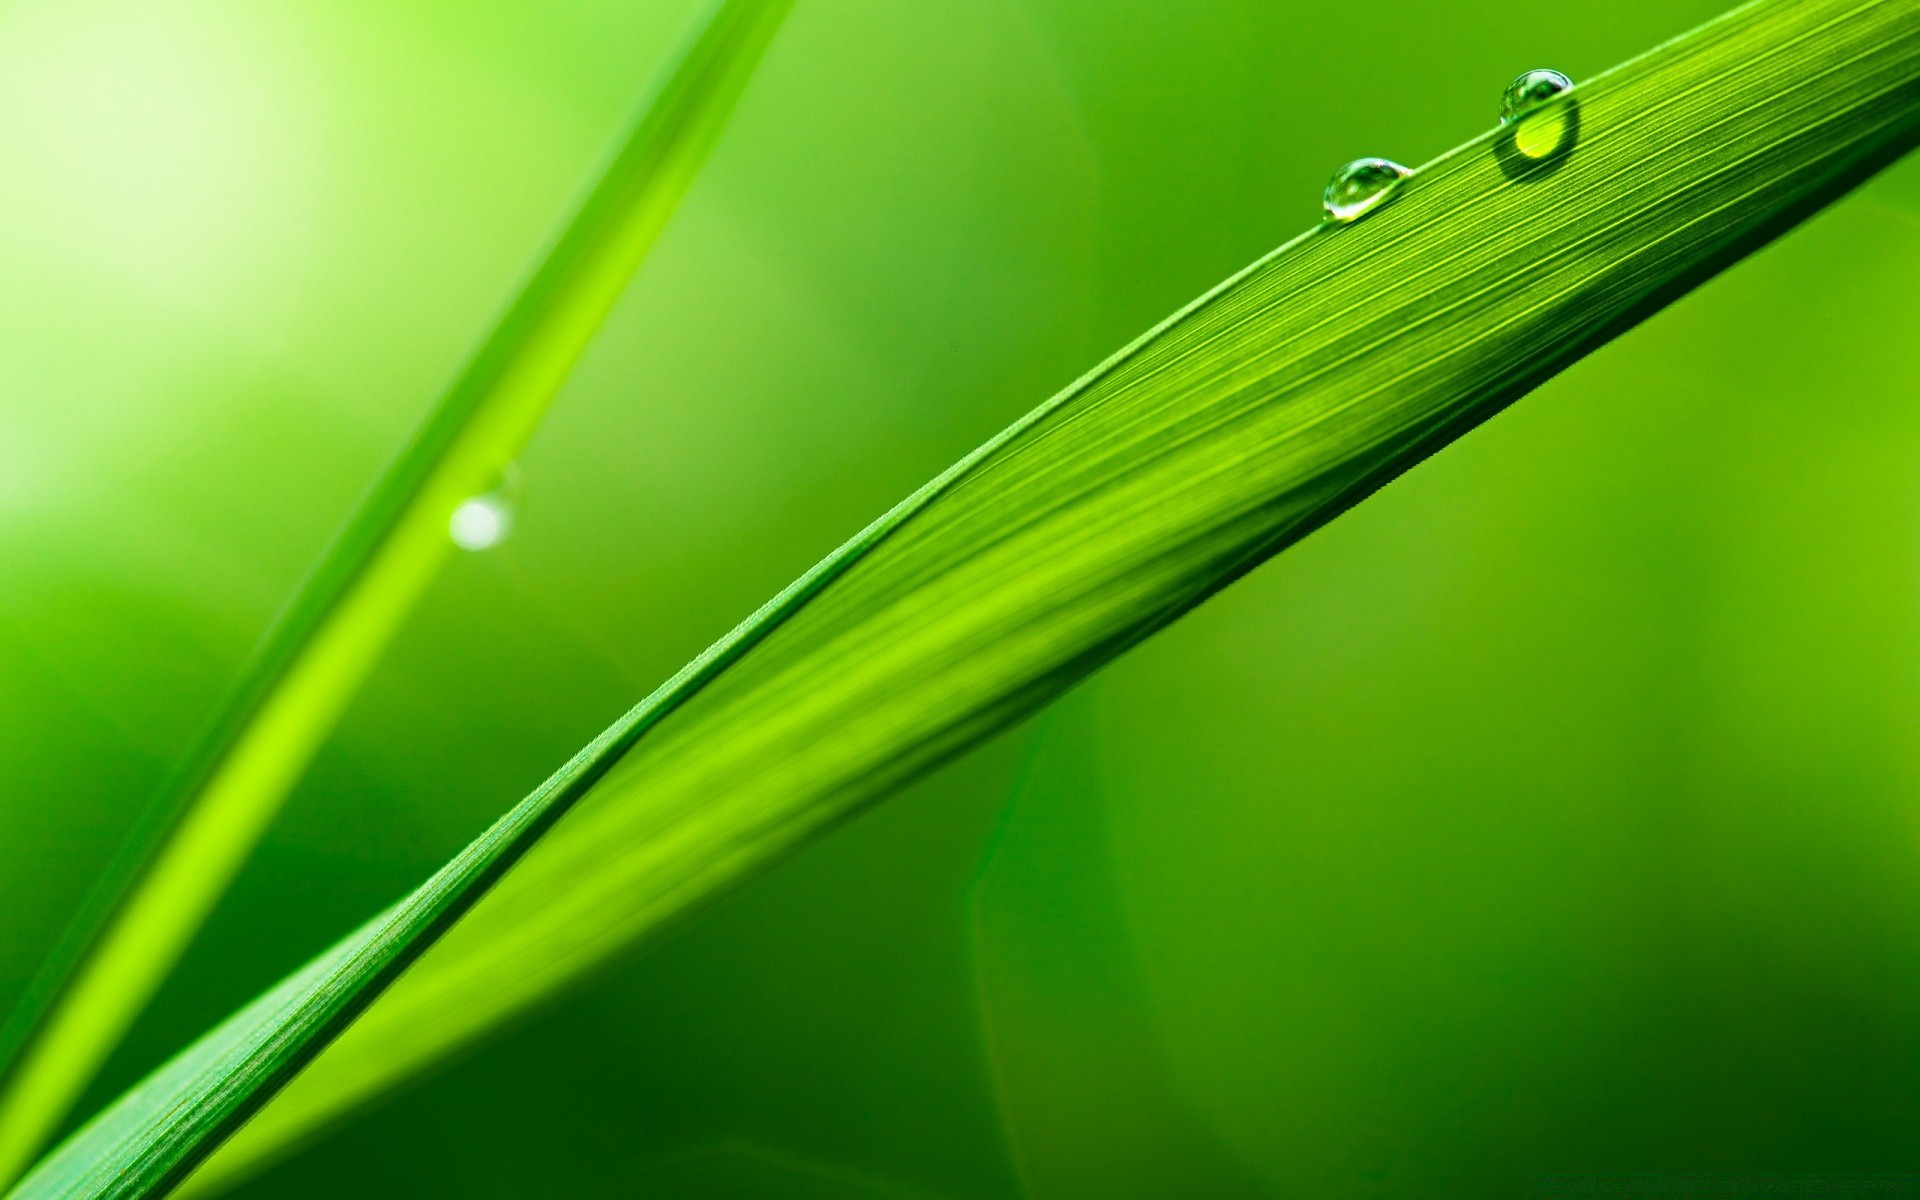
x,y
1362,186
481,522
1537,127
1531,90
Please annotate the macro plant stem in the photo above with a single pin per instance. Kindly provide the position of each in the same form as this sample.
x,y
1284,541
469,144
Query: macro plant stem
x,y
1239,425
212,812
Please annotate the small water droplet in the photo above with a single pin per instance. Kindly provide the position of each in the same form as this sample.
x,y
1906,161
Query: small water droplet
x,y
1530,91
1362,186
1541,123
481,522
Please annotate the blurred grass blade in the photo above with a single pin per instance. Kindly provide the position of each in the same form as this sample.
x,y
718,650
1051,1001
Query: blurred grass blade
x,y
317,656
1233,429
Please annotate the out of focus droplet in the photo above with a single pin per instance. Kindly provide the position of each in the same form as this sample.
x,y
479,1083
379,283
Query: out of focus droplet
x,y
481,522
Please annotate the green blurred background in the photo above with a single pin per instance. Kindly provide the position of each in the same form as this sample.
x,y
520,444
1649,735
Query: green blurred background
x,y
1557,810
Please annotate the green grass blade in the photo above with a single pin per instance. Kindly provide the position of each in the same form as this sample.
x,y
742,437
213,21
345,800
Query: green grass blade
x,y
1233,429
314,661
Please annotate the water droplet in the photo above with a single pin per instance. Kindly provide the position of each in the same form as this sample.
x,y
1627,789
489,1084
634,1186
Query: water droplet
x,y
481,522
1540,121
1530,91
1537,127
1362,186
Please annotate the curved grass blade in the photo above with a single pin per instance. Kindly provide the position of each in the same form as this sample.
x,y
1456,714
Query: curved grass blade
x,y
312,663
1236,427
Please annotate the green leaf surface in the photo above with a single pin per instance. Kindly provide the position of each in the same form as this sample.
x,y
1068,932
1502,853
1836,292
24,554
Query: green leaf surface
x,y
213,811
1234,428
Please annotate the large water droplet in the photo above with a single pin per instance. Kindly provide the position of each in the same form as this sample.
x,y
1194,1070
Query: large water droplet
x,y
1530,91
1362,186
1540,121
482,522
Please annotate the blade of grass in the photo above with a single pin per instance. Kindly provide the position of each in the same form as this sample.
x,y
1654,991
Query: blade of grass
x,y
212,813
1239,425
